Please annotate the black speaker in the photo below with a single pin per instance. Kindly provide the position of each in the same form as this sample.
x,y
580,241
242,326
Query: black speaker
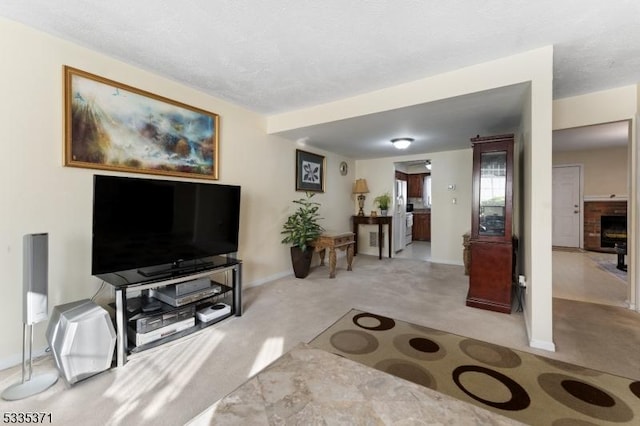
x,y
35,278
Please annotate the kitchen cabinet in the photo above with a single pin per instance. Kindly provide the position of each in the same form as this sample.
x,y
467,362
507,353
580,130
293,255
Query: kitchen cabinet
x,y
415,184
421,226
492,246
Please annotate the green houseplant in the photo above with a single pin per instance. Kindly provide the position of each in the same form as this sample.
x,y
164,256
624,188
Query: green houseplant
x,y
300,229
383,201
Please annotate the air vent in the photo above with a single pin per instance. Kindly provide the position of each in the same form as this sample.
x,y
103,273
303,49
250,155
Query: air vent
x,y
373,239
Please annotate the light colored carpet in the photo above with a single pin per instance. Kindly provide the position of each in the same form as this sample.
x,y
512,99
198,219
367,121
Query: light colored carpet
x,y
525,387
171,384
577,276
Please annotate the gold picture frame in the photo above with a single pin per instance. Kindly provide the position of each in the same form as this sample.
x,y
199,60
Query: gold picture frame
x,y
113,126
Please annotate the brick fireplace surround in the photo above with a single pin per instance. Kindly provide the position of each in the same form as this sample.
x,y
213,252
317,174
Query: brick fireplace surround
x,y
593,210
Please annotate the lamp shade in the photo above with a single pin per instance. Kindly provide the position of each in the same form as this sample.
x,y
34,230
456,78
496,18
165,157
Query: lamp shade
x,y
360,187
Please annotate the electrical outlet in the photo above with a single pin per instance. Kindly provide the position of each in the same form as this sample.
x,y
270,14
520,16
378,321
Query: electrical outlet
x,y
522,281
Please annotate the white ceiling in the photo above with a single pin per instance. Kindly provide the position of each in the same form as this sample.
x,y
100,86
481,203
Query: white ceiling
x,y
281,55
436,126
592,137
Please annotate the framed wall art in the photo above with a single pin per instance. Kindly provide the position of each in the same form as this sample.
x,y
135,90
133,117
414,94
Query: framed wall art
x,y
112,126
309,171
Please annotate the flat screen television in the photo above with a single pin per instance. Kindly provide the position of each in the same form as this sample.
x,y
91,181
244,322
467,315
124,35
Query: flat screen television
x,y
158,226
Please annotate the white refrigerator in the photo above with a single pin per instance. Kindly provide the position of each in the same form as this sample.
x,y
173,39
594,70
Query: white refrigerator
x,y
400,216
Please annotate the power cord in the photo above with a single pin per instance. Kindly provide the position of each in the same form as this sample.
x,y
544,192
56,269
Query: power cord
x,y
98,292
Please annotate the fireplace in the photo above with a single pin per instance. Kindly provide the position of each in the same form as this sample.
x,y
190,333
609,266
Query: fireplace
x,y
613,229
594,211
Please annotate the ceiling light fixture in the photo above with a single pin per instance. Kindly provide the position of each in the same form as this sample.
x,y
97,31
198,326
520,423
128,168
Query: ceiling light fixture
x,y
402,143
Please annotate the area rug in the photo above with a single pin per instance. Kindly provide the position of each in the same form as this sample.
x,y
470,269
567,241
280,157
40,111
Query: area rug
x,y
607,262
611,268
525,387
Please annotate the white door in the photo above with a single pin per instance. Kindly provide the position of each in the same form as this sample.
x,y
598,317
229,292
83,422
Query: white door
x,y
567,210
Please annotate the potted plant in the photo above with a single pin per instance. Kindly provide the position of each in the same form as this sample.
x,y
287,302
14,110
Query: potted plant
x,y
300,229
383,202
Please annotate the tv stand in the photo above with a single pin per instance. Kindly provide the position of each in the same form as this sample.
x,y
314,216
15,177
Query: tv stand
x,y
147,303
175,268
128,309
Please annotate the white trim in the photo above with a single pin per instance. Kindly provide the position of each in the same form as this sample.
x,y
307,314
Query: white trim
x,y
538,344
606,198
16,359
447,262
268,279
542,344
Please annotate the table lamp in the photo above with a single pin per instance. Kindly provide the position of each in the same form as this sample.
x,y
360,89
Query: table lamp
x,y
360,188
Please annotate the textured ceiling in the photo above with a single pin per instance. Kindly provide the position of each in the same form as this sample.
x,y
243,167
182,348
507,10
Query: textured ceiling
x,y
281,55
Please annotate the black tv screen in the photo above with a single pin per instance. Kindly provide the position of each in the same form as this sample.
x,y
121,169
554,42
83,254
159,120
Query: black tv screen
x,y
144,223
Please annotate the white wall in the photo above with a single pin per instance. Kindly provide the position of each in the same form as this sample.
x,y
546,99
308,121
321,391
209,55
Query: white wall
x,y
537,175
40,195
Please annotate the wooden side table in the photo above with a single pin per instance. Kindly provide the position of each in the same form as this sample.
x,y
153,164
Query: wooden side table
x,y
343,241
373,220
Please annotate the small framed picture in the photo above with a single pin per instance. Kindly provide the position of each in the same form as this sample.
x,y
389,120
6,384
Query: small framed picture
x,y
309,171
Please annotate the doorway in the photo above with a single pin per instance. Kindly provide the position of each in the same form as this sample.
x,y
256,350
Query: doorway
x,y
590,178
414,179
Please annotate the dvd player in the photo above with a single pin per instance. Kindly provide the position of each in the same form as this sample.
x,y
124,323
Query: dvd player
x,y
169,294
143,338
167,315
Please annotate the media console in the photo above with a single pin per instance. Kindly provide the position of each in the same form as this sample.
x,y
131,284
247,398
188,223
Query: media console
x,y
139,329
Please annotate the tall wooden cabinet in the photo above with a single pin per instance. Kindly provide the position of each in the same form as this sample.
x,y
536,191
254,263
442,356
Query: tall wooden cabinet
x,y
415,185
492,244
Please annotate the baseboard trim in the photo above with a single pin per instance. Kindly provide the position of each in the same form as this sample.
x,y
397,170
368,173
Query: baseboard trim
x,y
534,343
16,359
542,344
268,279
447,262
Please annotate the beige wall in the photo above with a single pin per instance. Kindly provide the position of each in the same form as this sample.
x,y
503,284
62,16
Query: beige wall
x,y
604,170
534,67
40,195
449,220
607,106
451,209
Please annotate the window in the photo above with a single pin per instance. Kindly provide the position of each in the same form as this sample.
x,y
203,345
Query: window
x,y
426,191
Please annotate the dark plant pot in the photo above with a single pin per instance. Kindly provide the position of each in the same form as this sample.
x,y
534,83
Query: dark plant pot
x,y
301,261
